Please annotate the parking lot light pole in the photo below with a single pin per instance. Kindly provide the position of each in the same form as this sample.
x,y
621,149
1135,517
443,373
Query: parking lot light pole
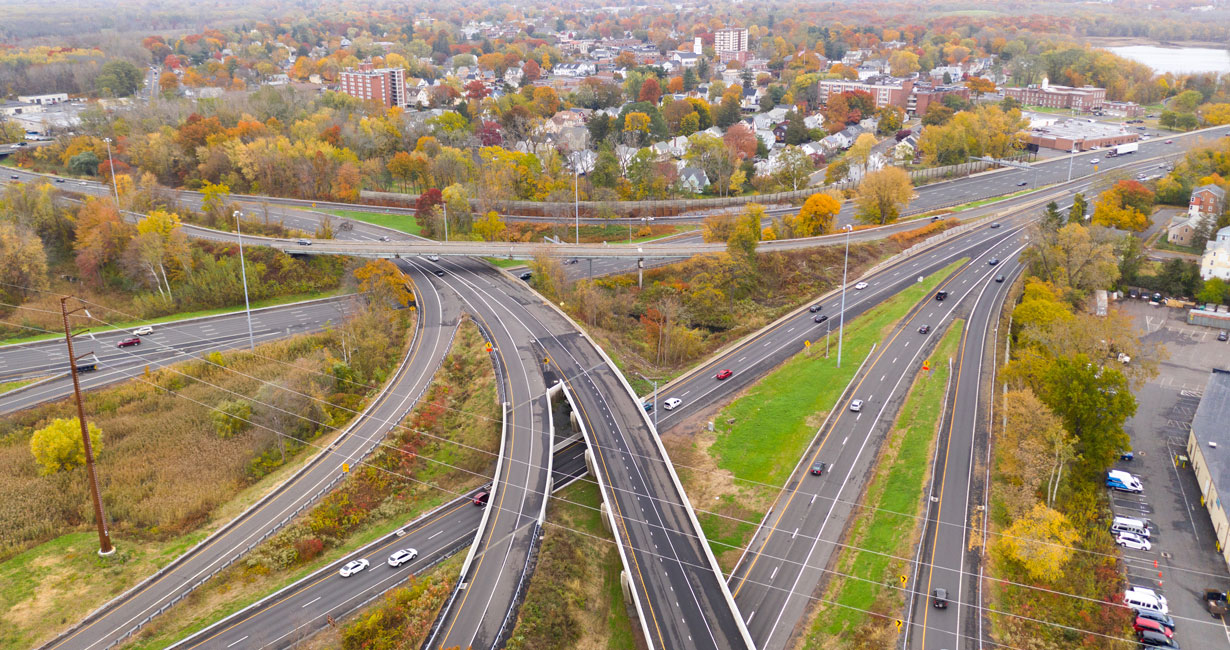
x,y
844,270
243,271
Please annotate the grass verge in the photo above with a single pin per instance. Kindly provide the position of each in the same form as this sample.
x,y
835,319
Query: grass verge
x,y
887,527
403,222
759,437
14,385
460,406
269,302
574,599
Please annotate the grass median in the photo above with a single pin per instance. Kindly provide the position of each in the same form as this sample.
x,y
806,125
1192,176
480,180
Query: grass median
x,y
403,222
860,604
736,470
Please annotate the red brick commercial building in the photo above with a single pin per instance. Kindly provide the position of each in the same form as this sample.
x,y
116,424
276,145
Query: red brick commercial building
x,y
925,94
384,85
907,94
1085,98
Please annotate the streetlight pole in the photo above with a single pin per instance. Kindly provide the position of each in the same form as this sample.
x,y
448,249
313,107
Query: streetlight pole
x,y
445,204
111,167
576,193
104,537
841,327
243,270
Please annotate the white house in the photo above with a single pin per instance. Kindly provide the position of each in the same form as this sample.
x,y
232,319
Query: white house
x,y
513,77
685,59
582,69
813,121
1216,260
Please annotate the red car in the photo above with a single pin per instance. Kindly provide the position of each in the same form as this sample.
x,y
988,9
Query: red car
x,y
1142,624
480,499
129,342
725,374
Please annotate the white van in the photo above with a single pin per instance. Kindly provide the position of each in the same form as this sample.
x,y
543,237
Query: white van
x,y
1128,525
1144,602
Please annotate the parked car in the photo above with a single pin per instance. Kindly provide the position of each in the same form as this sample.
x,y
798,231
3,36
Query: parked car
x,y
1133,541
856,405
129,342
403,556
1223,335
1137,590
1152,639
924,329
353,567
1215,602
672,403
1122,481
1164,619
1142,624
145,330
939,598
1156,297
818,468
480,499
724,374
860,286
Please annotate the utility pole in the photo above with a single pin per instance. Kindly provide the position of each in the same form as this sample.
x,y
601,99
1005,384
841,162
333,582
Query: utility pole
x,y
445,203
104,538
243,271
111,167
576,194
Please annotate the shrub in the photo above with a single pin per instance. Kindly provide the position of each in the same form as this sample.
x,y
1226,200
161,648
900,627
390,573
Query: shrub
x,y
232,417
58,446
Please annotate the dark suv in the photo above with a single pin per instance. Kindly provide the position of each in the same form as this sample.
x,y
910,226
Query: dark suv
x,y
939,598
940,295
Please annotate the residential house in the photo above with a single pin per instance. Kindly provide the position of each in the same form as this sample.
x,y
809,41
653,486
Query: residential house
x,y
685,60
1182,229
693,179
814,121
674,148
582,69
1215,263
907,149
1207,200
513,77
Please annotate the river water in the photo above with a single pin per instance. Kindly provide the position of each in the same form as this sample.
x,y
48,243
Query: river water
x,y
1179,60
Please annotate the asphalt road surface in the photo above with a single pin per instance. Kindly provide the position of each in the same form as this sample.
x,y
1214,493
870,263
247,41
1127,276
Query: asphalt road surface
x,y
170,343
439,316
306,607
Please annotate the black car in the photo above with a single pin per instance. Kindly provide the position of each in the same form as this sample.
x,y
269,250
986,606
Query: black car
x,y
59,180
1156,616
1022,184
818,468
814,308
1151,639
940,295
939,598
999,278
1133,293
526,276
821,318
1157,297
924,329
572,261
993,261
439,273
995,225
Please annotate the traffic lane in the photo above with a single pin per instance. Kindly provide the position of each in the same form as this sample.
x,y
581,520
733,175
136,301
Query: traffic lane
x,y
808,531
664,550
783,341
32,358
948,551
518,495
292,618
217,551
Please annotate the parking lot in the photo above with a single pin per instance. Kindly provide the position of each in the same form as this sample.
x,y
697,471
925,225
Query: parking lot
x,y
1183,560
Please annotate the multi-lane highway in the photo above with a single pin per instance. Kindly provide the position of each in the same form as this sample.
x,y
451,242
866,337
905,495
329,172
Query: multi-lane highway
x,y
119,619
169,343
305,607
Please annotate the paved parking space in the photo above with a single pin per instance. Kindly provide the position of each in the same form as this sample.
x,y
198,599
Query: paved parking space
x,y
1183,560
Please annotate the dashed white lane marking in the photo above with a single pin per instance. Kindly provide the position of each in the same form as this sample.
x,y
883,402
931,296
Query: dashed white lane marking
x,y
304,605
245,638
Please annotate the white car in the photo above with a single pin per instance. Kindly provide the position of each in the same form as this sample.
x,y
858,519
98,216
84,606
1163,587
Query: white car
x,y
860,286
1094,161
671,403
433,257
1133,541
353,567
856,405
403,556
143,331
1149,593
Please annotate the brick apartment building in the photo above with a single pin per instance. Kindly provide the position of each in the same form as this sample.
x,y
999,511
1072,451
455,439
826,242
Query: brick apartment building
x,y
1085,98
907,94
384,85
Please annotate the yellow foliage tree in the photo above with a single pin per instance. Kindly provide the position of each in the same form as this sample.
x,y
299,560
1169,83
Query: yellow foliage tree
x,y
883,194
816,216
58,446
1041,541
1216,114
383,281
490,226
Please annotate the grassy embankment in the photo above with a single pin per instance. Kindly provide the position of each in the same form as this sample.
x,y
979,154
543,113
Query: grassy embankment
x,y
403,222
574,599
761,435
160,497
401,480
888,526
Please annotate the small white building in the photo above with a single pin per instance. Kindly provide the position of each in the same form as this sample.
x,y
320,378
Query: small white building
x,y
42,100
1216,260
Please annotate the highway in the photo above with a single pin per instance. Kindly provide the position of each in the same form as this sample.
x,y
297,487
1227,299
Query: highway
x,y
439,313
950,559
171,342
304,608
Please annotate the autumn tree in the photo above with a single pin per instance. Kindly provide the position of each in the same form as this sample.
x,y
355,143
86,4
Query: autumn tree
x,y
980,86
794,167
741,141
713,157
902,63
58,446
1073,259
651,91
23,263
817,216
882,194
1041,542
490,227
384,283
1093,401
860,151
